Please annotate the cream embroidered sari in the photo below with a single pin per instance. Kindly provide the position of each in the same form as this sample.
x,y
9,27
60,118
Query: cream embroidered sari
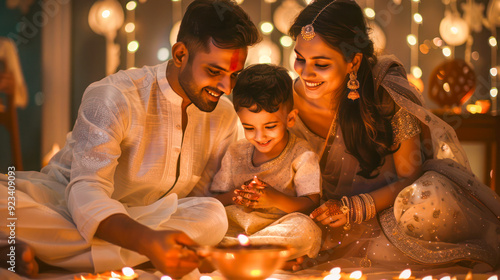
x,y
446,216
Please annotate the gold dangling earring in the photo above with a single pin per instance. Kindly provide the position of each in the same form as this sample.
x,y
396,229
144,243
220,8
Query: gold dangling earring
x,y
353,85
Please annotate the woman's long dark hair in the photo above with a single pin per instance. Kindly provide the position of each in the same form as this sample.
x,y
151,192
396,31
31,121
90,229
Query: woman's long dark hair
x,y
367,134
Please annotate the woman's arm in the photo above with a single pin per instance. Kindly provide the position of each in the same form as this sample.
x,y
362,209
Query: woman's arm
x,y
408,163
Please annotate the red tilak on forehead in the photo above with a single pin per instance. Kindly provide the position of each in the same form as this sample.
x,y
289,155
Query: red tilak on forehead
x,y
234,60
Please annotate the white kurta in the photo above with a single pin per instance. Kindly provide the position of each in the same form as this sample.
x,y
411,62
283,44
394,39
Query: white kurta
x,y
124,151
295,172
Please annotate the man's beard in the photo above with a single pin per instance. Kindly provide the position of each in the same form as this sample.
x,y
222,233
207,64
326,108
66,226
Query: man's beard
x,y
196,96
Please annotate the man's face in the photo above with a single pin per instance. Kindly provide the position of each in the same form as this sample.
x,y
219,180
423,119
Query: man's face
x,y
207,76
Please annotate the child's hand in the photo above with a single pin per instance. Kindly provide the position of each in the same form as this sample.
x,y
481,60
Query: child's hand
x,y
267,198
249,193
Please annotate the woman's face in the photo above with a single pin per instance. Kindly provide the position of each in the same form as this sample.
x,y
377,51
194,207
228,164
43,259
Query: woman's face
x,y
321,68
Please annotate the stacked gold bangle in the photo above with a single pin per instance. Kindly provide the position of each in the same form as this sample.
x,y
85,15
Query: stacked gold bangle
x,y
358,208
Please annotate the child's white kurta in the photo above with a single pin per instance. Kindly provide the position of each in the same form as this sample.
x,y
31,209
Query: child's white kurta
x,y
295,172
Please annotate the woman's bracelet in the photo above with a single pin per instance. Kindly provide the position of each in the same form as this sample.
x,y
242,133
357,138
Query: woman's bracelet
x,y
358,208
346,209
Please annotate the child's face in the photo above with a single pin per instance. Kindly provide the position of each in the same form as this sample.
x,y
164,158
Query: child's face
x,y
267,131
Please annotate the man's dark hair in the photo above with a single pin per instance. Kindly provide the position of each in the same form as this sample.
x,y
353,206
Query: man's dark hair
x,y
264,85
221,21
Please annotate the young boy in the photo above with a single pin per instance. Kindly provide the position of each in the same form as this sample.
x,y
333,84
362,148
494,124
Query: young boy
x,y
287,170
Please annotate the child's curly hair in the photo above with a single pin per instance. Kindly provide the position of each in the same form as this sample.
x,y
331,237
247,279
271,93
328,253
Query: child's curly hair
x,y
264,85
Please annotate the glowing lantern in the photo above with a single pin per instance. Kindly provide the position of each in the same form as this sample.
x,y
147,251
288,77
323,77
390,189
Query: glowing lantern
x,y
377,36
174,32
453,29
285,14
105,18
494,12
264,52
452,83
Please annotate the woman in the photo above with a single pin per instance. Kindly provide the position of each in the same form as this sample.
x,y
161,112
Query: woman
x,y
383,154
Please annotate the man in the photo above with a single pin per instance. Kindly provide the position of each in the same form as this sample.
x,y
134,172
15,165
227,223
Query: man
x,y
144,139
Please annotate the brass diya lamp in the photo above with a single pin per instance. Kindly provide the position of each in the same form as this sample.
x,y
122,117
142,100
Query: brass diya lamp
x,y
245,261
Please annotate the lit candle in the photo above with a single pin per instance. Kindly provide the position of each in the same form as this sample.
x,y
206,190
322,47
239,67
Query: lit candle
x,y
129,273
244,240
333,277
405,274
358,275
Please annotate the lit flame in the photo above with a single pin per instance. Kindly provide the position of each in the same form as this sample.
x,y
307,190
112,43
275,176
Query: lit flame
x,y
205,277
494,277
335,270
244,241
127,271
83,278
106,13
405,274
469,275
332,277
446,278
255,272
356,275
165,277
115,275
427,278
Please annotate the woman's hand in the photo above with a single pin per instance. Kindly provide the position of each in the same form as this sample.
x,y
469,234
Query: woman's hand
x,y
329,214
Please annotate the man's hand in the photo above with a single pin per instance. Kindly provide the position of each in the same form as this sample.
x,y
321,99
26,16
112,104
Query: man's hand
x,y
167,251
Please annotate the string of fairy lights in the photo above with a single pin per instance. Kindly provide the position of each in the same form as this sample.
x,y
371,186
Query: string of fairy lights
x,y
453,31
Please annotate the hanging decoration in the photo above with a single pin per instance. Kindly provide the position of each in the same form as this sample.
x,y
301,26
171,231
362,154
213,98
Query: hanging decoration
x,y
174,32
453,29
493,12
378,37
105,18
264,52
285,14
415,74
132,44
375,32
452,83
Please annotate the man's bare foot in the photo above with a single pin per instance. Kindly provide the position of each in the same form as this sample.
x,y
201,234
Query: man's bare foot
x,y
18,258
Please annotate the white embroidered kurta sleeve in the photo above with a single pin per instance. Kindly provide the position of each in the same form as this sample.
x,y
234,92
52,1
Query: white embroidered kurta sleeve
x,y
128,143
